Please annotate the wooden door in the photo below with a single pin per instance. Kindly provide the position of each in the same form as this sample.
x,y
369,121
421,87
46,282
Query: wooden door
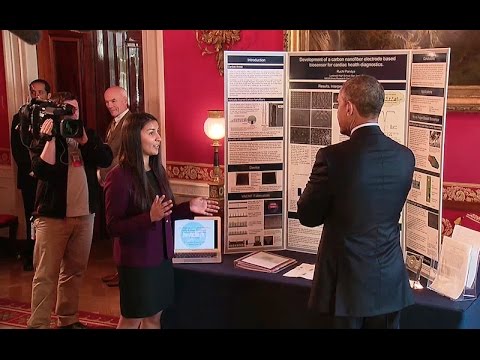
x,y
66,61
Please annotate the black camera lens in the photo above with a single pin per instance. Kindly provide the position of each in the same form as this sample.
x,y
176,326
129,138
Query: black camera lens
x,y
71,128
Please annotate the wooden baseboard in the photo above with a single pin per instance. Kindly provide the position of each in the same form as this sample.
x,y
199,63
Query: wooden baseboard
x,y
187,189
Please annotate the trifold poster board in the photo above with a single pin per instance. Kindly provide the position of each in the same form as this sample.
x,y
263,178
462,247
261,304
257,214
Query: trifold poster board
x,y
282,107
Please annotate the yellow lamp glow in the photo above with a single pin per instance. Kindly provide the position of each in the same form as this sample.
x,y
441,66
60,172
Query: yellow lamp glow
x,y
214,126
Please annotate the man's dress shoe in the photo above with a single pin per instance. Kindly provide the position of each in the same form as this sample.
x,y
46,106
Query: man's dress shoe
x,y
112,283
77,325
109,278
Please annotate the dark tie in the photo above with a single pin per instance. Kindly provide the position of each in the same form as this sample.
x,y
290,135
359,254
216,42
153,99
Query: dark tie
x,y
110,130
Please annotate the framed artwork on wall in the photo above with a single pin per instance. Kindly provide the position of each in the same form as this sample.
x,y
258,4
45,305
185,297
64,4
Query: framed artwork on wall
x,y
464,77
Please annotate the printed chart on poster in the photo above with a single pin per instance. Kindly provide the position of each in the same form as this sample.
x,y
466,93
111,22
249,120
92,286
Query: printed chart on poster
x,y
314,82
426,134
254,88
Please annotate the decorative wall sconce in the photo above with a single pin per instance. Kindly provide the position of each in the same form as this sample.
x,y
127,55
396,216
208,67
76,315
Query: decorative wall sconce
x,y
214,128
216,42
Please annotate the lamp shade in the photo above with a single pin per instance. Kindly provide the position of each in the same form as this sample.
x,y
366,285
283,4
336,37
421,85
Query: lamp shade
x,y
214,126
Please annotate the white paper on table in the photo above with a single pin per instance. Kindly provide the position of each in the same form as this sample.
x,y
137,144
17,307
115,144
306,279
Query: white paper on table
x,y
452,268
265,260
471,237
303,270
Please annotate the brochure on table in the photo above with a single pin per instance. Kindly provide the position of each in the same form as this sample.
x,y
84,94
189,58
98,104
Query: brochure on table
x,y
456,274
264,261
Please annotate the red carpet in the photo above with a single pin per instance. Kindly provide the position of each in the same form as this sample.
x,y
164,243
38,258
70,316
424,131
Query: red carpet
x,y
16,314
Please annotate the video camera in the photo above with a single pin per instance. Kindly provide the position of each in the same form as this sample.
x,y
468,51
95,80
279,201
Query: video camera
x,y
33,115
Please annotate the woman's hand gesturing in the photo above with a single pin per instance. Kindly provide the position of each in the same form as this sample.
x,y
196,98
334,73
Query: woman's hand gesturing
x,y
204,206
160,208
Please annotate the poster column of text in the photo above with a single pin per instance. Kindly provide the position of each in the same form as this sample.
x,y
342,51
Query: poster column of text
x,y
426,133
254,88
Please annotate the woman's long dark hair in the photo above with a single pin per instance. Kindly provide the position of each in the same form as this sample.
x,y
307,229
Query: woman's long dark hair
x,y
130,157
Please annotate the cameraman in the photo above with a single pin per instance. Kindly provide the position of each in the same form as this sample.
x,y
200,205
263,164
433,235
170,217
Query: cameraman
x,y
64,209
26,182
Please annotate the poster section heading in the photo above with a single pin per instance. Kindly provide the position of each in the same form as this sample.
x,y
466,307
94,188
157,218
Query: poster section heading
x,y
342,67
264,83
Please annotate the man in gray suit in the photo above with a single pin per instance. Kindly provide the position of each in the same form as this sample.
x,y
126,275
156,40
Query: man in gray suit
x,y
116,101
357,189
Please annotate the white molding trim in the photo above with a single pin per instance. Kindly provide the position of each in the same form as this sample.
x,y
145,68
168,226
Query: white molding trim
x,y
20,69
185,188
154,81
11,200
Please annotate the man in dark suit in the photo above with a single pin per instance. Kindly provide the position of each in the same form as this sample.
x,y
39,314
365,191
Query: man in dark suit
x,y
357,189
116,101
26,181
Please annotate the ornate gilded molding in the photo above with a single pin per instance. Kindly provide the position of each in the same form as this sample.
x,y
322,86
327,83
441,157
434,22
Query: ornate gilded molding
x,y
459,197
188,171
216,42
463,98
286,41
447,227
461,192
473,217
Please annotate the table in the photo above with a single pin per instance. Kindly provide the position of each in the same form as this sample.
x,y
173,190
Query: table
x,y
433,311
222,296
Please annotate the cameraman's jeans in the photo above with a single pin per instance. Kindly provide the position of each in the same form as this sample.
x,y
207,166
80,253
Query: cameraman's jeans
x,y
61,254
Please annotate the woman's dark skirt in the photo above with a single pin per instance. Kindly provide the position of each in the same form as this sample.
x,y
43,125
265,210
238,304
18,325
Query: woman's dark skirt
x,y
145,291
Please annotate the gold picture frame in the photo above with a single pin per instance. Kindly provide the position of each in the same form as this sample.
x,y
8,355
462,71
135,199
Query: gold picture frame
x,y
461,97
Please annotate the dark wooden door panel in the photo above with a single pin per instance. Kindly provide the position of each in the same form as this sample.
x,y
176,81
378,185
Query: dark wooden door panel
x,y
67,74
65,59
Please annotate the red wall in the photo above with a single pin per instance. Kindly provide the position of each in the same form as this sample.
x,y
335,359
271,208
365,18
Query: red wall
x,y
193,86
462,148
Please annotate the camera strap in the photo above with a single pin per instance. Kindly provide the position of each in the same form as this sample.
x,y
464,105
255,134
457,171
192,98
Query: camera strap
x,y
75,155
